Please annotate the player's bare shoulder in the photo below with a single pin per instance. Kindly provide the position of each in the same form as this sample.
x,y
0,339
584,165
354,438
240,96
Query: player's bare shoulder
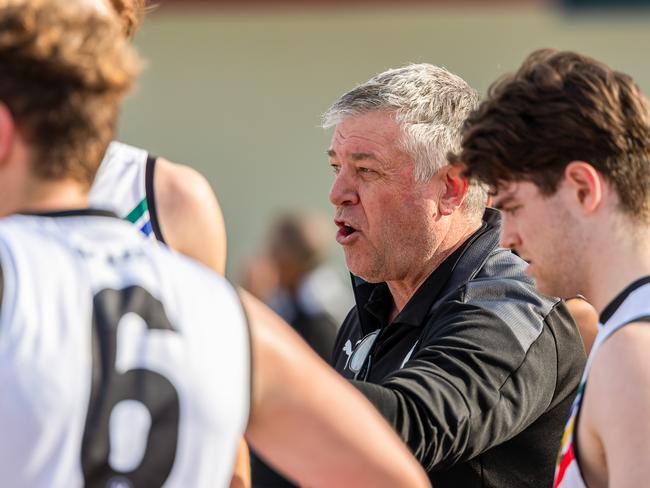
x,y
614,415
189,213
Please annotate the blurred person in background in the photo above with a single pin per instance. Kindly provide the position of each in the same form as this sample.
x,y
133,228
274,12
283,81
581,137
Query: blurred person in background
x,y
449,338
564,143
302,289
123,363
298,283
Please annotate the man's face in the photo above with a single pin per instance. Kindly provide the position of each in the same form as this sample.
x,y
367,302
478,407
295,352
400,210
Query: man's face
x,y
386,219
542,231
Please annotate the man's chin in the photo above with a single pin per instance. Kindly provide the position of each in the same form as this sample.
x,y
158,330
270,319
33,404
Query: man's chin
x,y
551,289
361,270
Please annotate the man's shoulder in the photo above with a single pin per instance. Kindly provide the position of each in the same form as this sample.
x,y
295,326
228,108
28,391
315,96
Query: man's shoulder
x,y
501,293
503,286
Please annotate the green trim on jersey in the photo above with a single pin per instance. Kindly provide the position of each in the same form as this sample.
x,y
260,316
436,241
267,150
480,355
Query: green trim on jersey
x,y
139,210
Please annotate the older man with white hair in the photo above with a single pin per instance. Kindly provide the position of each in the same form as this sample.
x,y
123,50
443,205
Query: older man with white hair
x,y
449,339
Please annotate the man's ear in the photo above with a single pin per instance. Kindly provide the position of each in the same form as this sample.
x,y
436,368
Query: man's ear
x,y
454,190
585,185
7,133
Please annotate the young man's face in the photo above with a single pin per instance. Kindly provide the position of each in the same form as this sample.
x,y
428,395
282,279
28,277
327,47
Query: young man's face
x,y
542,230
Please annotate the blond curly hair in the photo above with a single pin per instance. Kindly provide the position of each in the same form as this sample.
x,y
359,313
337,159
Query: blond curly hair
x,y
65,70
131,12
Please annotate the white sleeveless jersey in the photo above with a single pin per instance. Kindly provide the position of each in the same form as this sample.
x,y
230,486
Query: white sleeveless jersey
x,y
122,364
631,306
124,185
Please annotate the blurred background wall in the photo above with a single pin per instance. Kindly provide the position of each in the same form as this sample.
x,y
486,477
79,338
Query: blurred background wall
x,y
237,91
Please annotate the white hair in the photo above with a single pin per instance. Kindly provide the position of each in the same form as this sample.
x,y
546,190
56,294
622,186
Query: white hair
x,y
430,104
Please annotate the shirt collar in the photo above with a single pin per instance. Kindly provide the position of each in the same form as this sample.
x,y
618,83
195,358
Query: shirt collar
x,y
81,212
614,305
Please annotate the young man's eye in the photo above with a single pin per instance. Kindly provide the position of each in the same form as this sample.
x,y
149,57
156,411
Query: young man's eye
x,y
511,211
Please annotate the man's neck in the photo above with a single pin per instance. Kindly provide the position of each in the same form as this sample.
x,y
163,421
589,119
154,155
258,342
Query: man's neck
x,y
403,290
617,263
52,196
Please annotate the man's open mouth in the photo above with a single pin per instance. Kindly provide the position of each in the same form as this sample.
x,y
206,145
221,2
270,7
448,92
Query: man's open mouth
x,y
345,231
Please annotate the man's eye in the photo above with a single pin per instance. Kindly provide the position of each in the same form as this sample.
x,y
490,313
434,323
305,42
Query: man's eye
x,y
365,170
335,168
511,211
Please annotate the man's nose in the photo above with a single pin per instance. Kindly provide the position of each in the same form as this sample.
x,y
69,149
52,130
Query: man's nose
x,y
509,237
343,191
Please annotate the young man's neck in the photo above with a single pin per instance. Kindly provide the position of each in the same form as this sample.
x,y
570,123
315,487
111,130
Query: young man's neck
x,y
53,196
620,260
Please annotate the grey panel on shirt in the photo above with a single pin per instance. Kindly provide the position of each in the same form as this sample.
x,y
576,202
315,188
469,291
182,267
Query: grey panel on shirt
x,y
512,300
519,313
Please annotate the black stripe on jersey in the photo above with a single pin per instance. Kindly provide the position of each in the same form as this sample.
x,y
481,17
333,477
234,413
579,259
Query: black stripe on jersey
x,y
79,212
620,298
151,198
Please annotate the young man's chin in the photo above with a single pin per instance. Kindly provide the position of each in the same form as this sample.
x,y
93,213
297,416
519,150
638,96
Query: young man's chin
x,y
540,282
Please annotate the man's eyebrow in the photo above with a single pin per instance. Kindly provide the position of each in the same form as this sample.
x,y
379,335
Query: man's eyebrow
x,y
362,156
499,202
357,156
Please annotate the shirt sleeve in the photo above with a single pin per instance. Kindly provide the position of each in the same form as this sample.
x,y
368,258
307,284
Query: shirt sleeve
x,y
470,386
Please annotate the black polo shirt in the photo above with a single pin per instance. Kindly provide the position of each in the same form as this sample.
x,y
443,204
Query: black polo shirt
x,y
478,371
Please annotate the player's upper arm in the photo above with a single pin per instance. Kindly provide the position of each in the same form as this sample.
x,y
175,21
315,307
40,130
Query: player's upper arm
x,y
311,424
617,402
189,214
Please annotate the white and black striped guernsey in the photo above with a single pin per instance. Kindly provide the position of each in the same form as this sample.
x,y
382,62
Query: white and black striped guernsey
x,y
124,185
122,364
631,305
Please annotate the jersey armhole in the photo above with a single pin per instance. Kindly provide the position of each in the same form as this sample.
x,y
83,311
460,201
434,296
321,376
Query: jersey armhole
x,y
250,355
151,197
576,449
574,441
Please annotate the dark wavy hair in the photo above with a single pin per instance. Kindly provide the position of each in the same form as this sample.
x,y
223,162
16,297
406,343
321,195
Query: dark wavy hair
x,y
557,108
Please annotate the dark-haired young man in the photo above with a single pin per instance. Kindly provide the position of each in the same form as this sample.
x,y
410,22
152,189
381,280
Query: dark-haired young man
x,y
121,363
565,141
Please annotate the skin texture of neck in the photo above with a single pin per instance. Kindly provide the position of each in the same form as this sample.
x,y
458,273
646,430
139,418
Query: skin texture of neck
x,y
403,290
52,196
616,262
618,254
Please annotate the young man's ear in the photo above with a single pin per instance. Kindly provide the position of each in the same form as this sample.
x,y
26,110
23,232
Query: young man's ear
x,y
455,189
585,186
7,133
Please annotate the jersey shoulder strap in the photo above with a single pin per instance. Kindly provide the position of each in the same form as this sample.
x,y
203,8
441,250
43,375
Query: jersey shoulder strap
x,y
125,185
